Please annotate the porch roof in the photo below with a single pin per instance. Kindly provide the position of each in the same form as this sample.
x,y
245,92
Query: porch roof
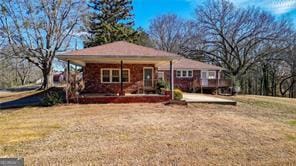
x,y
185,63
116,51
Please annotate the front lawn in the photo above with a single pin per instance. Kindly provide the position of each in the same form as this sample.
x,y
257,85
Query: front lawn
x,y
260,130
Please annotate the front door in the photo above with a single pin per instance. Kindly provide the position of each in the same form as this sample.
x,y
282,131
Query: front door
x,y
204,78
148,77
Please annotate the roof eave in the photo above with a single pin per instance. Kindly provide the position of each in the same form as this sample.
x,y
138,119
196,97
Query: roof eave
x,y
178,68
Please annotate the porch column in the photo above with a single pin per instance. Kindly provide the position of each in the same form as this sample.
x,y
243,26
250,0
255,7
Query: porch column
x,y
68,81
121,74
172,79
218,82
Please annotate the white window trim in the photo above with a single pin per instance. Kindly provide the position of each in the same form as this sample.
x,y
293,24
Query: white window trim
x,y
215,77
186,76
110,75
207,72
203,71
162,75
188,73
180,73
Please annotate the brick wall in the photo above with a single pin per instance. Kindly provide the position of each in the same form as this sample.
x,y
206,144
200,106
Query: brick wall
x,y
185,84
92,78
181,83
122,99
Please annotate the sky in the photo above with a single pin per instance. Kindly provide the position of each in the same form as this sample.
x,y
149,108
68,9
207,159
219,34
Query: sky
x,y
146,10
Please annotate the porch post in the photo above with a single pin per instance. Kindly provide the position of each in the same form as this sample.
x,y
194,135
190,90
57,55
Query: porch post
x,y
172,79
201,90
68,81
218,82
121,74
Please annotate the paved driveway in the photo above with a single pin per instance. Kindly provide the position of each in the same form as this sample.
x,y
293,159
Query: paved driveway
x,y
22,102
201,98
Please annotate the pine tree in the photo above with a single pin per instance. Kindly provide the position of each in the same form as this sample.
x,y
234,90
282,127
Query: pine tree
x,y
109,21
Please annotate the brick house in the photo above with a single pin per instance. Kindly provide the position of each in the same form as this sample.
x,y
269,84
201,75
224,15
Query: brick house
x,y
194,76
125,72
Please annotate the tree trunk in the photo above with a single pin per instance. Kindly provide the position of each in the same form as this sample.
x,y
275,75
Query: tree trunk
x,y
23,80
265,85
47,78
250,87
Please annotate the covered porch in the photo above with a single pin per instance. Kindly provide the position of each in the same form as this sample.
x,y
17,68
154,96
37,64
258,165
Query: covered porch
x,y
117,79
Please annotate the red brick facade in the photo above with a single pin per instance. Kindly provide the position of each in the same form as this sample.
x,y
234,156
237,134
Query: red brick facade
x,y
181,83
185,83
93,84
122,99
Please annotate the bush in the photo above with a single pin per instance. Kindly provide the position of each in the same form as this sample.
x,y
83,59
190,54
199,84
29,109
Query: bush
x,y
52,98
178,94
161,85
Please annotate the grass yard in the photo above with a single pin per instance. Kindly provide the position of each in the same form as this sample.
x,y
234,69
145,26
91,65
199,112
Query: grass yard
x,y
259,131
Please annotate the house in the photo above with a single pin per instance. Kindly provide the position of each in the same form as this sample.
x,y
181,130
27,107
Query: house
x,y
58,77
194,76
124,72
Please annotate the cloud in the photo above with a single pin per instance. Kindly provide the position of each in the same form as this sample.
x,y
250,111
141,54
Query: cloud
x,y
275,6
283,6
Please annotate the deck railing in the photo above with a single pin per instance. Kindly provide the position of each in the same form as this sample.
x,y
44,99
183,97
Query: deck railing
x,y
212,83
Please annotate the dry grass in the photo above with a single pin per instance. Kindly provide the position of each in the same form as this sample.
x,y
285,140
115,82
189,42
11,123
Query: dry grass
x,y
259,131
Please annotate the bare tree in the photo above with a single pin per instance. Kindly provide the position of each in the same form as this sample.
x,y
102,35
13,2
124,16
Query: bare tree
x,y
37,29
237,38
288,82
170,32
16,71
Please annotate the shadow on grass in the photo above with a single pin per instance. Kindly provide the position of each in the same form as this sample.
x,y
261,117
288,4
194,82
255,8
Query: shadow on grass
x,y
31,100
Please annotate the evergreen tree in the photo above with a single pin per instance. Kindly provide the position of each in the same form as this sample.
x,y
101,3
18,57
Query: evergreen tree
x,y
109,21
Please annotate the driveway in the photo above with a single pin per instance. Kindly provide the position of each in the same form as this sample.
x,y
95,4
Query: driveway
x,y
22,102
30,100
202,98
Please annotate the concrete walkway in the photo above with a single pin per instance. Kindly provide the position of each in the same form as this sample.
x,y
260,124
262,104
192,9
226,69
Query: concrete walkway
x,y
201,98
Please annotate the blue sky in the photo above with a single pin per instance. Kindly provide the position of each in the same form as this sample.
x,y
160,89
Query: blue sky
x,y
145,10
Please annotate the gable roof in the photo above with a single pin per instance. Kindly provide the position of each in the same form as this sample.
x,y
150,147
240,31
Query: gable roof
x,y
185,63
120,49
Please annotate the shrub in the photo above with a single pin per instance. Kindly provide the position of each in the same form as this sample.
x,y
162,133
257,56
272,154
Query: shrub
x,y
161,85
52,98
178,94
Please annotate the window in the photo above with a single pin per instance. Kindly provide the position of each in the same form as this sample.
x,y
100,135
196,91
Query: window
x,y
204,75
106,75
178,73
160,76
125,75
190,73
212,75
113,75
184,73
